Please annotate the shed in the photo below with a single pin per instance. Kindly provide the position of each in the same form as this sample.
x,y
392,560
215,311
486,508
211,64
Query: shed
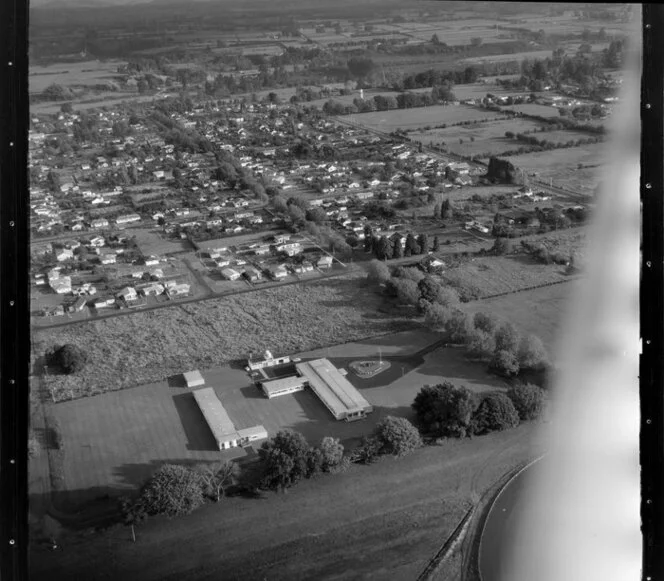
x,y
193,378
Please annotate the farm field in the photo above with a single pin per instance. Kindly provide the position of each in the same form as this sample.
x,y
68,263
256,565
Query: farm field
x,y
534,109
478,138
320,530
151,242
421,116
148,347
562,165
501,274
72,74
538,311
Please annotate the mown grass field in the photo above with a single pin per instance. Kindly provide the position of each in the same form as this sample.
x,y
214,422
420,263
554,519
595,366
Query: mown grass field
x,y
379,522
420,117
538,311
148,347
72,74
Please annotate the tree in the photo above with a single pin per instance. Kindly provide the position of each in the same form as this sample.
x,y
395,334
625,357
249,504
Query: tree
x,y
332,453
412,247
436,316
528,399
316,215
378,271
369,450
69,358
445,409
397,436
507,338
423,242
397,249
172,490
436,244
383,248
66,108
532,353
217,477
446,209
485,322
496,412
436,211
285,459
360,67
433,292
406,290
481,344
501,246
504,363
459,326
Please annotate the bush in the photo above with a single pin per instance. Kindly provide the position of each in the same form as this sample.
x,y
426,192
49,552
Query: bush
x,y
436,316
459,327
378,271
69,358
285,459
397,436
507,338
406,290
444,409
504,363
485,322
528,400
481,344
172,490
332,453
496,412
368,451
532,353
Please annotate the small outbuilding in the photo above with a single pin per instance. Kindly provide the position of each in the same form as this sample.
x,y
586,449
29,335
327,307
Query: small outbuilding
x,y
194,378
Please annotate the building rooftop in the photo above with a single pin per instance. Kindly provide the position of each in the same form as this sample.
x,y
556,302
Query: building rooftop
x,y
334,390
194,377
284,383
214,412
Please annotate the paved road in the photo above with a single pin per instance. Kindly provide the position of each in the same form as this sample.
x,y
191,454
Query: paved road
x,y
499,533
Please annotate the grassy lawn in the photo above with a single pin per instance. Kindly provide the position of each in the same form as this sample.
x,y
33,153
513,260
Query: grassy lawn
x,y
562,165
420,117
379,522
152,346
538,311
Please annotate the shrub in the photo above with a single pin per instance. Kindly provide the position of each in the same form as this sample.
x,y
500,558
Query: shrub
x,y
485,322
504,363
69,358
507,338
285,459
378,271
436,316
172,490
368,451
406,290
397,436
444,409
459,326
532,353
496,412
528,400
481,344
332,453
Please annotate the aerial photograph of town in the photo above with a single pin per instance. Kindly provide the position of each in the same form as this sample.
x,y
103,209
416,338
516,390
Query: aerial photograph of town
x,y
298,270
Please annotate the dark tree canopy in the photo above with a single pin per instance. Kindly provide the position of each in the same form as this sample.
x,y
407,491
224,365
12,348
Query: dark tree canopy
x,y
285,459
172,490
397,436
445,409
528,399
69,358
496,412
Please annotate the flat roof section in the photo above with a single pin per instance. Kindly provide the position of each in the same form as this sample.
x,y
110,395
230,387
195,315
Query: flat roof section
x,y
275,386
336,392
215,414
194,378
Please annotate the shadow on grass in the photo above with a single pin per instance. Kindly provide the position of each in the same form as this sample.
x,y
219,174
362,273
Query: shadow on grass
x,y
252,392
177,381
196,429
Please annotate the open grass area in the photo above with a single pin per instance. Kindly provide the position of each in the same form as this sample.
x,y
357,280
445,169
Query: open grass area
x,y
562,165
421,117
501,274
538,311
72,74
151,346
378,522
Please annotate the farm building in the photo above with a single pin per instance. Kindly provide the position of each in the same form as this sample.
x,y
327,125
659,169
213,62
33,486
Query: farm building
x,y
338,395
230,274
193,378
324,262
223,429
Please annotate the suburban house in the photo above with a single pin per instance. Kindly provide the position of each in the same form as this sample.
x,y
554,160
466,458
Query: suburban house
x,y
268,360
278,272
230,274
78,305
103,302
252,274
178,290
99,223
127,219
127,294
290,248
61,285
324,262
63,254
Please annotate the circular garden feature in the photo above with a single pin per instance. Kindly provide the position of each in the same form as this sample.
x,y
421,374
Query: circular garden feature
x,y
366,369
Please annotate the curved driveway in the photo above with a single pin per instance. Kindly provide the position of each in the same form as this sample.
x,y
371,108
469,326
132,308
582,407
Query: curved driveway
x,y
499,534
